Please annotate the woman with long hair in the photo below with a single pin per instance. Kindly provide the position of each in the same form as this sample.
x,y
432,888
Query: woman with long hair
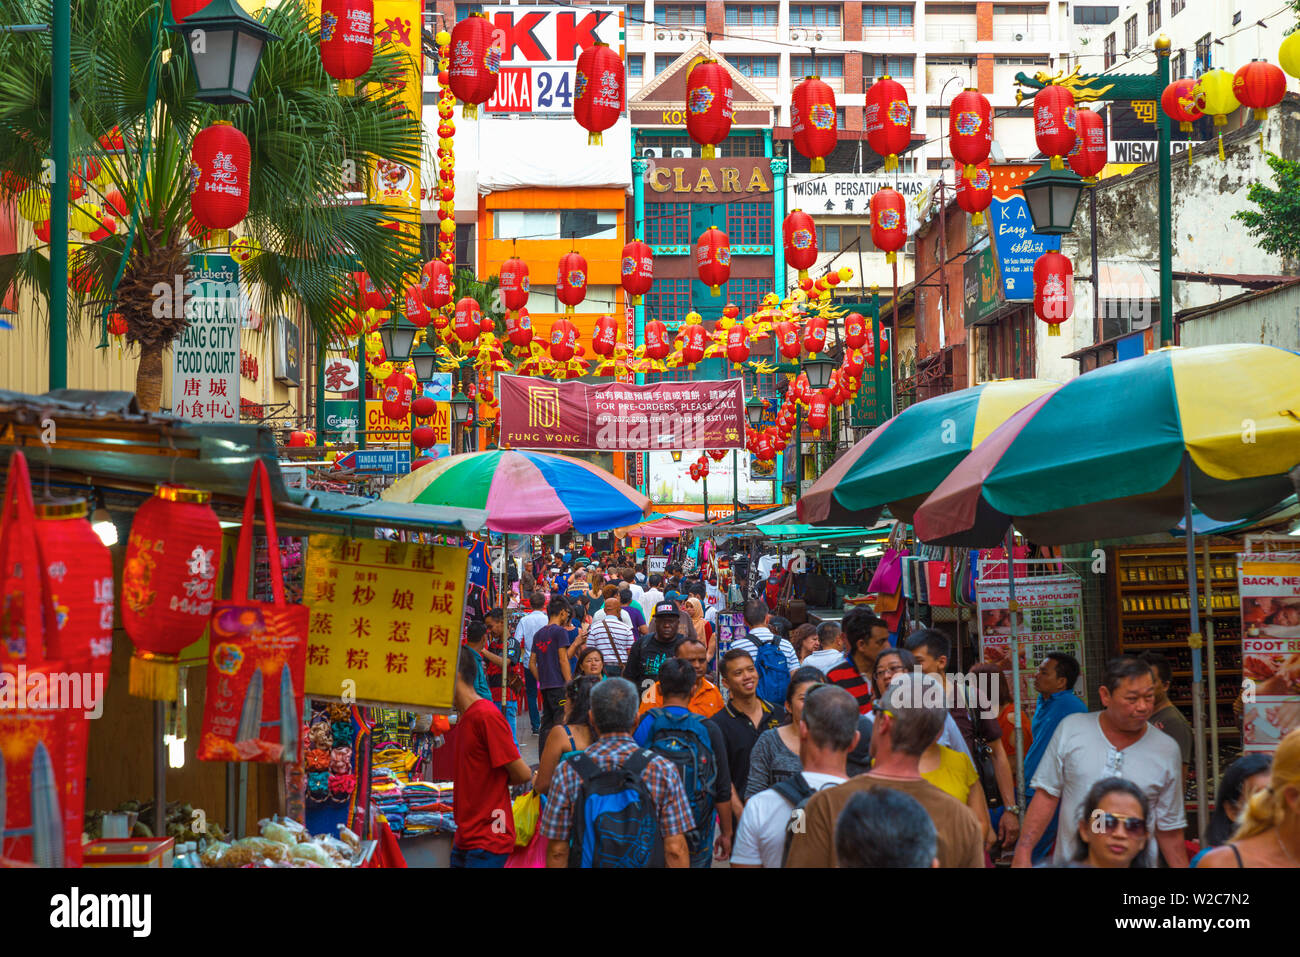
x,y
1269,834
573,736
1245,776
1113,829
775,755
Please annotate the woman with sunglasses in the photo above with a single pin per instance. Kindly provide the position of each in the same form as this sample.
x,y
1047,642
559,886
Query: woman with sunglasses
x,y
897,661
1113,827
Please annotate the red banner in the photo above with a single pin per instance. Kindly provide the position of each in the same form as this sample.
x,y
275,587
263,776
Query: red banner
x,y
621,417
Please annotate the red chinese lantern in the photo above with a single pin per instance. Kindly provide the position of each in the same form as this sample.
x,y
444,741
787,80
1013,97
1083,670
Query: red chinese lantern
x,y
819,410
377,297
1053,290
657,344
1182,102
975,195
703,463
107,227
181,9
599,87
814,334
423,437
889,222
638,270
114,202
468,318
219,176
887,120
475,61
713,259
854,364
301,440
81,579
813,121
571,280
695,471
787,338
695,340
423,406
396,396
970,129
413,307
1259,85
564,340
116,324
435,283
42,230
519,328
514,283
347,37
710,106
168,584
737,344
764,451
487,324
1088,158
604,337
800,235
1054,123
855,330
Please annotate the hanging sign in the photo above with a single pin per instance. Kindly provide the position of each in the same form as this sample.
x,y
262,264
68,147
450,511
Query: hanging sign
x,y
1270,651
205,358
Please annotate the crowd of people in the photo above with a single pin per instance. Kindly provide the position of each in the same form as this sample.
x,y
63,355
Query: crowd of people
x,y
821,746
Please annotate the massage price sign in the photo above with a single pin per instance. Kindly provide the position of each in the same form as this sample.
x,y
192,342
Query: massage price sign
x,y
1270,650
385,620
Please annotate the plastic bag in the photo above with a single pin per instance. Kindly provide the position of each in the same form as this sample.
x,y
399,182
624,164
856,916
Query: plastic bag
x,y
527,808
534,855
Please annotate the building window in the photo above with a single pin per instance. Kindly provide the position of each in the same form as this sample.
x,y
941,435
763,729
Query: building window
x,y
828,239
881,15
748,293
1108,52
636,64
1153,16
1021,61
1180,64
899,67
554,224
1097,16
663,61
749,224
668,300
669,146
746,15
588,224
735,145
1130,34
1011,347
760,66
834,239
841,117
823,66
680,15
1176,7
667,224
1119,317
1203,54
1020,9
815,15
463,10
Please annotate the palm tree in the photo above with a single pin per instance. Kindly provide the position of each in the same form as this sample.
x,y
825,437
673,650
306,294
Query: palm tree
x,y
309,145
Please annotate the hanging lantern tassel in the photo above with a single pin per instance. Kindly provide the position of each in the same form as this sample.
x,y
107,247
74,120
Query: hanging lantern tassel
x,y
1221,156
594,139
891,258
977,220
891,162
970,171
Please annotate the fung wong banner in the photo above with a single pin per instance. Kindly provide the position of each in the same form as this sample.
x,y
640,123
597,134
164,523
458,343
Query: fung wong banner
x,y
621,417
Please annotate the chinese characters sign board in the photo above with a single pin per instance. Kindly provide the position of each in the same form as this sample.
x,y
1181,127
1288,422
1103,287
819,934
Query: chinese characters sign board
x,y
540,46
1017,245
205,359
386,616
848,194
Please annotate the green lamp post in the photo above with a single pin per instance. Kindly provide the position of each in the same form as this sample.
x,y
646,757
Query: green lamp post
x,y
225,46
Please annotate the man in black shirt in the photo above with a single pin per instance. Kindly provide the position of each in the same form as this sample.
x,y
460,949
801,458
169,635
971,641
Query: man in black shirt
x,y
650,651
744,718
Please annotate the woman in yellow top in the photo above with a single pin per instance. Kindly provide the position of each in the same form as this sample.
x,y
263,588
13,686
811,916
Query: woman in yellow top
x,y
953,773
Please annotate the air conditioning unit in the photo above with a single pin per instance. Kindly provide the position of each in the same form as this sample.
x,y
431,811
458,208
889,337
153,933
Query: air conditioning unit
x,y
655,151
661,35
1019,38
682,152
794,34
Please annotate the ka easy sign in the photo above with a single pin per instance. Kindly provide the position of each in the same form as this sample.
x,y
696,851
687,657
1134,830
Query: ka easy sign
x,y
540,47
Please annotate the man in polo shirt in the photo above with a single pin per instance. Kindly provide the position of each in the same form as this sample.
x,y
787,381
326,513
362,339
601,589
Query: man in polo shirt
x,y
866,636
652,650
1057,700
756,619
745,717
706,699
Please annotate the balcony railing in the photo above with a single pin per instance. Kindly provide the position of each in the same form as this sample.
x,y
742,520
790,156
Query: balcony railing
x,y
951,31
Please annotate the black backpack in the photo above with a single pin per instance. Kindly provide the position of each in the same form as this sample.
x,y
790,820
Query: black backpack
x,y
797,792
615,821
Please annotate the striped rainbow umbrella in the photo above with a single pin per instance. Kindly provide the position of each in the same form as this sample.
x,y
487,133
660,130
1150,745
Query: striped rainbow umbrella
x,y
525,493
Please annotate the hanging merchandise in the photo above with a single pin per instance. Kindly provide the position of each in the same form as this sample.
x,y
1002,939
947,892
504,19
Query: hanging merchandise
x,y
975,195
638,270
347,38
889,222
887,120
1054,125
709,105
1182,102
1053,290
571,281
475,62
970,129
1088,158
168,584
599,90
397,397
435,284
713,259
514,283
257,657
220,160
799,234
1214,92
814,121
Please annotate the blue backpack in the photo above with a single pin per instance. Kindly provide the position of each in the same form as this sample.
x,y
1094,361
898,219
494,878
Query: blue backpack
x,y
615,821
684,741
773,669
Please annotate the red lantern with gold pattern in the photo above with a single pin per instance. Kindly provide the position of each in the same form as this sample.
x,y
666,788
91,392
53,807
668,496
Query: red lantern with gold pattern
x,y
80,568
975,195
413,307
695,340
219,176
1053,290
1054,123
970,129
564,340
887,120
1182,103
855,330
396,396
599,90
799,233
571,280
519,328
737,344
814,124
889,222
468,319
787,338
169,582
604,336
638,270
819,408
713,259
814,334
1088,158
657,344
475,62
514,283
435,283
1259,85
710,105
854,364
347,37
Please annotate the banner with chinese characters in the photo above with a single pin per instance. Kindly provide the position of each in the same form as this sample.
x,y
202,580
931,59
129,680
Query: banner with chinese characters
x,y
398,23
385,620
205,359
1270,651
1014,240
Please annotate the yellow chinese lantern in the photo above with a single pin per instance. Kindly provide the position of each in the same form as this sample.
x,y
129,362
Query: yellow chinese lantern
x,y
1288,55
34,204
1215,88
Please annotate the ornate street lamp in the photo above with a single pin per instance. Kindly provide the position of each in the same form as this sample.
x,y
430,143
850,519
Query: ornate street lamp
x,y
397,339
754,408
423,358
818,369
1053,197
225,46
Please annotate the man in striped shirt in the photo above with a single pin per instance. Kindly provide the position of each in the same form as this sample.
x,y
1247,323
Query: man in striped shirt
x,y
612,633
866,636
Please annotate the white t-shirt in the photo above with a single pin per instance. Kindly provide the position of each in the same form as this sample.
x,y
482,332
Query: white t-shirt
x,y
712,596
528,626
824,659
649,598
760,838
605,633
637,591
765,636
1079,755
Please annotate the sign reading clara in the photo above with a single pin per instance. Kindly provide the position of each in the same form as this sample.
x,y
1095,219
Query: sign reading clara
x,y
614,417
540,46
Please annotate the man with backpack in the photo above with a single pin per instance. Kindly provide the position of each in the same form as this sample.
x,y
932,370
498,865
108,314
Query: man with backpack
x,y
746,716
616,804
696,748
774,657
828,731
650,651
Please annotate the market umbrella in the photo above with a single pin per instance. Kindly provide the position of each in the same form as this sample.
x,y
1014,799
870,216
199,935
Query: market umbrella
x,y
900,462
1126,450
661,527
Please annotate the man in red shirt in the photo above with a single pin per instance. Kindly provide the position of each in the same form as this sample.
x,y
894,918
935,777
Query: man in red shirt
x,y
487,763
866,637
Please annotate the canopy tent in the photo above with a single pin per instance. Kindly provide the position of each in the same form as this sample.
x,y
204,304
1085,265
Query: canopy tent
x,y
659,526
